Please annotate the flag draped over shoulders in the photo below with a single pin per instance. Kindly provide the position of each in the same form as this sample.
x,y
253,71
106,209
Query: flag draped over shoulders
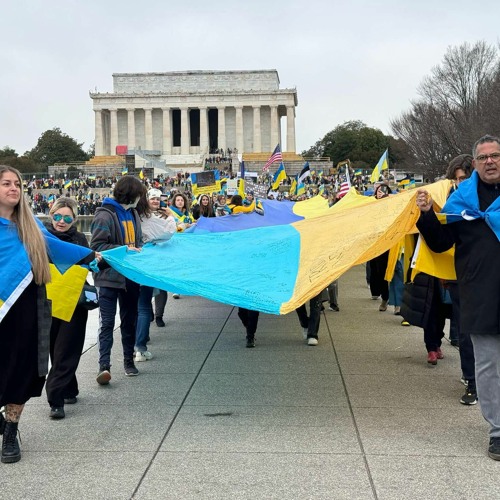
x,y
15,267
463,204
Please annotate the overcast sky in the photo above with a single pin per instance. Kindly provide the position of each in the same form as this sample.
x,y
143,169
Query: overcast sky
x,y
349,60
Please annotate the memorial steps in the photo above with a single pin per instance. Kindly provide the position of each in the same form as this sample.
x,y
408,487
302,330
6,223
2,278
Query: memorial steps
x,y
287,156
192,162
106,160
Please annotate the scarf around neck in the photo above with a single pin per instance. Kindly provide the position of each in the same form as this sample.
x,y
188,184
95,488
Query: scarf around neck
x,y
463,204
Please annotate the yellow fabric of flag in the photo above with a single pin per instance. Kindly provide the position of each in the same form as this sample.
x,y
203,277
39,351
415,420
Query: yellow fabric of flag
x,y
340,239
313,207
351,200
394,255
64,290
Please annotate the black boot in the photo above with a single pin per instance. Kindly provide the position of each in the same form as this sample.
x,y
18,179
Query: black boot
x,y
2,424
10,446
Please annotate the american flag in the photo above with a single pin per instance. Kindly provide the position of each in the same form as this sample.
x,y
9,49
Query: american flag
x,y
275,157
346,185
344,189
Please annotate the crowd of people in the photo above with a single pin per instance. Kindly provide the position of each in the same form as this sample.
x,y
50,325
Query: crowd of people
x,y
138,213
89,190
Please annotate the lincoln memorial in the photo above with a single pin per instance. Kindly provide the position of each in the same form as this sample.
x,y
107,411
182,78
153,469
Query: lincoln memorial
x,y
194,112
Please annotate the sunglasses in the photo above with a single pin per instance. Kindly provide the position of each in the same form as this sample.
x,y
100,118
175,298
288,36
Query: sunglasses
x,y
66,218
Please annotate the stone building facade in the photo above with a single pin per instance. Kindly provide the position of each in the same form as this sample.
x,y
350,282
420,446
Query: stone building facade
x,y
192,112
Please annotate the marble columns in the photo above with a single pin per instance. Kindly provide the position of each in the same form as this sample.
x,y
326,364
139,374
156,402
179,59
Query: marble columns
x,y
131,128
99,140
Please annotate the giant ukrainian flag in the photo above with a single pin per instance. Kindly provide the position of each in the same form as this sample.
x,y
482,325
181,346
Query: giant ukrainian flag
x,y
275,268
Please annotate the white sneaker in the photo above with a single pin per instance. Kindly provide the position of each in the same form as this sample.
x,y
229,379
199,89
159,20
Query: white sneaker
x,y
304,333
176,295
312,341
143,356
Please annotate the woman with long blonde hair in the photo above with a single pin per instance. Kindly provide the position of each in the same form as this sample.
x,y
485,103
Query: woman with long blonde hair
x,y
25,312
20,330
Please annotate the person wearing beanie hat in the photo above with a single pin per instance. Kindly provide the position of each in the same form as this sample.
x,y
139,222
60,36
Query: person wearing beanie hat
x,y
154,193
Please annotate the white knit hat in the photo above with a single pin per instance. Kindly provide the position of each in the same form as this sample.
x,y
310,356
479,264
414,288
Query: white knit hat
x,y
154,193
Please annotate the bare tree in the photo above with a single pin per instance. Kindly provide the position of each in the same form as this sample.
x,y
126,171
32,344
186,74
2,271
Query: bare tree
x,y
457,104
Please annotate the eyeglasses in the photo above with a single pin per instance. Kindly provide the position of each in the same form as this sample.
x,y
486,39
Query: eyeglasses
x,y
66,218
484,158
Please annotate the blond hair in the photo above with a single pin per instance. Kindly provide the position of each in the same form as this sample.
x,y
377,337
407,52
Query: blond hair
x,y
30,234
65,202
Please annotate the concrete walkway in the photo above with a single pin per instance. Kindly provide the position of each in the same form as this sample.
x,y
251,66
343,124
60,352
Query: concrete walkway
x,y
360,416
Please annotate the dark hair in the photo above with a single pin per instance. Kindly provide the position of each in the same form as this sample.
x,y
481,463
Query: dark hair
x,y
482,140
384,188
237,200
463,162
128,189
183,196
143,208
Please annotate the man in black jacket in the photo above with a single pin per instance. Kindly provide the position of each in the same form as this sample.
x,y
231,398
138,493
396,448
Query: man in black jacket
x,y
475,207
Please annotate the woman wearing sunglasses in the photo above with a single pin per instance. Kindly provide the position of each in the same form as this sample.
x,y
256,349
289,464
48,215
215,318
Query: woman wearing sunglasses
x,y
66,338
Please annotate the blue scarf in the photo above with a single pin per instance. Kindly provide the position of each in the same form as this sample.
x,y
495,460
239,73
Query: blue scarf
x,y
126,219
181,216
463,204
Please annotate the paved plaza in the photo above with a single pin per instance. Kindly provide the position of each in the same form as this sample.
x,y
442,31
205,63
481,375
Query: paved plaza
x,y
360,416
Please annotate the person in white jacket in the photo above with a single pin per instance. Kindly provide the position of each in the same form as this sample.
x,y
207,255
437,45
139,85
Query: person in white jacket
x,y
157,224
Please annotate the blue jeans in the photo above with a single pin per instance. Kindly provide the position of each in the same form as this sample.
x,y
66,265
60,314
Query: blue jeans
x,y
143,318
108,298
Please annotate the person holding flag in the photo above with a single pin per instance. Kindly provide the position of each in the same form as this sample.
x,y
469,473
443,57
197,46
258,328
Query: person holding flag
x,y
25,312
379,287
379,167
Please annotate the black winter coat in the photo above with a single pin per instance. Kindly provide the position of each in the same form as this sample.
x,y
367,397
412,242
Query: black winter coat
x,y
476,263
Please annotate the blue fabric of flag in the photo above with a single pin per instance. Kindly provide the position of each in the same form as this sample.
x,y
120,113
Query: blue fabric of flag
x,y
463,204
262,287
275,213
15,267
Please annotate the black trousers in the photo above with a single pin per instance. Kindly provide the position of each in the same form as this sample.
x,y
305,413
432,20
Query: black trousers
x,y
310,322
66,344
466,348
249,320
160,303
378,285
434,329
